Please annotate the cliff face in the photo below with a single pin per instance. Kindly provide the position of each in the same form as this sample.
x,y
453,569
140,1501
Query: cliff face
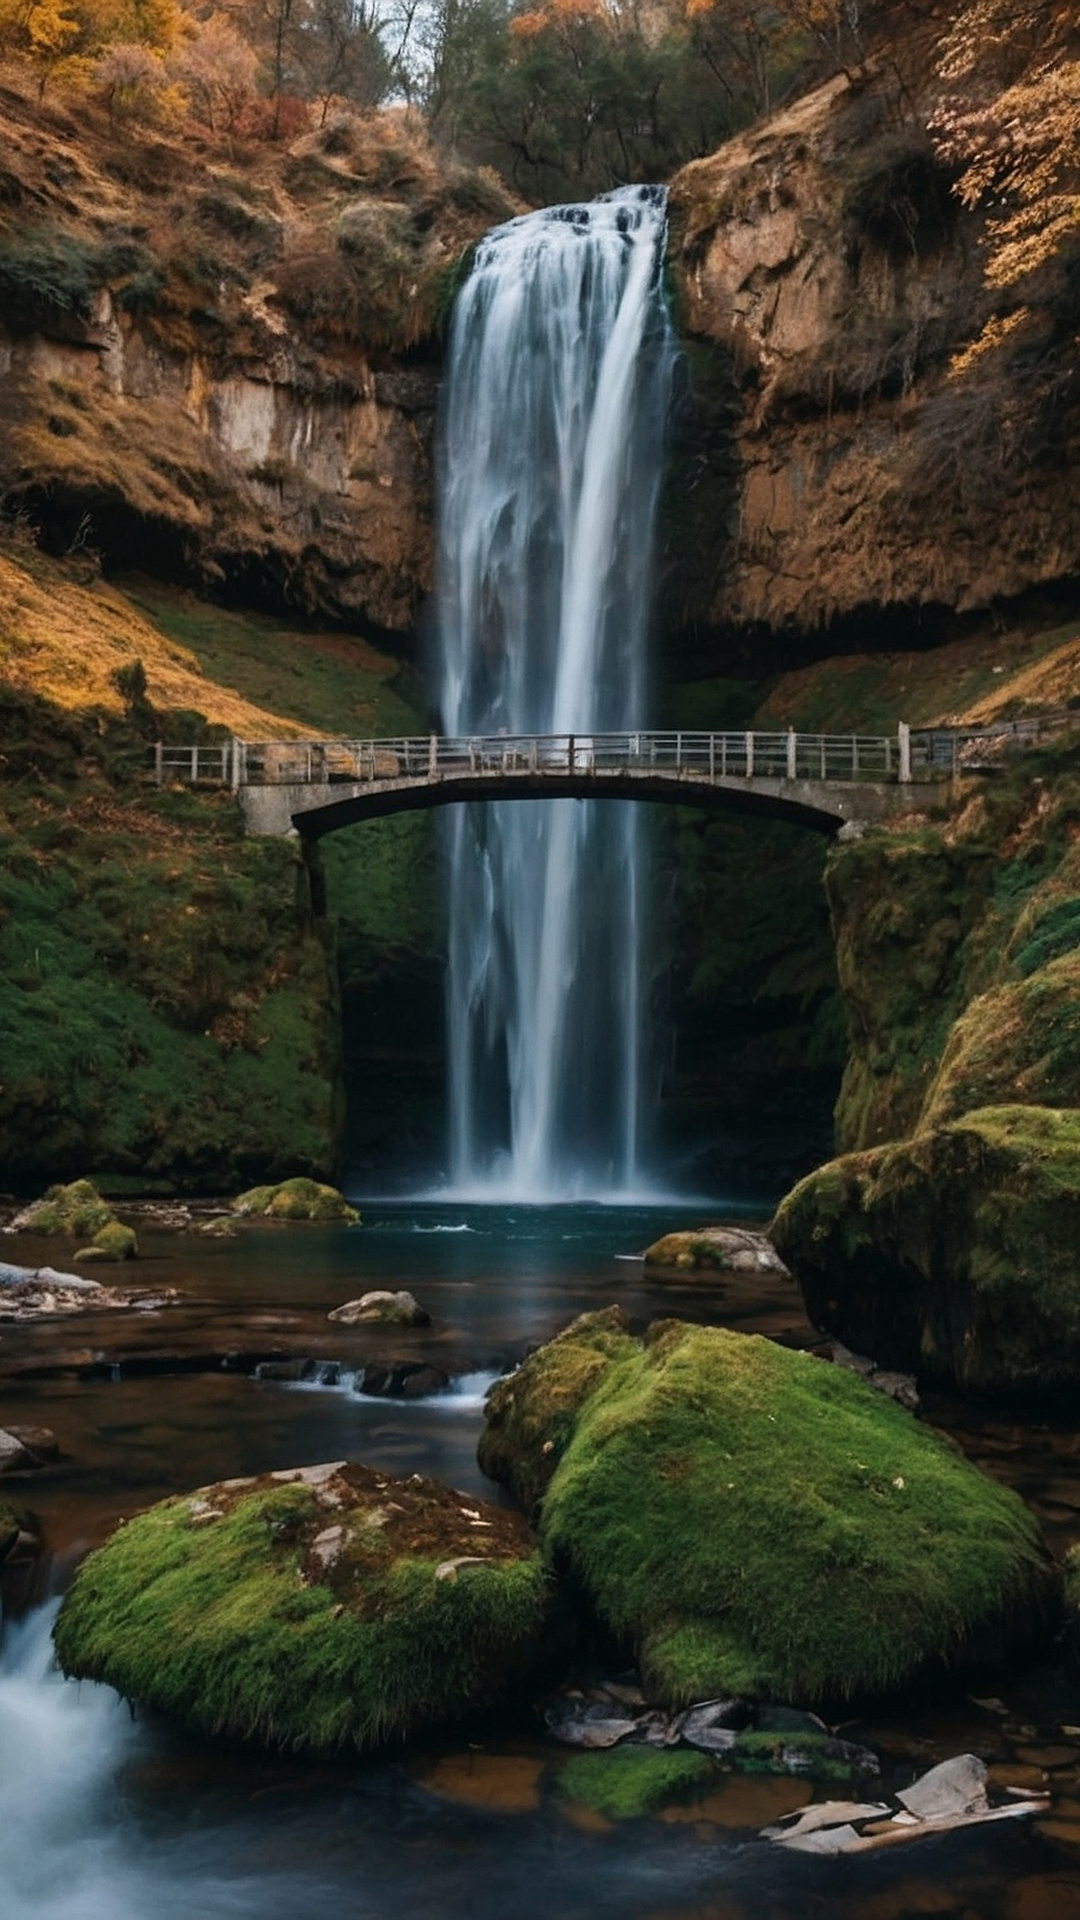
x,y
224,366
831,278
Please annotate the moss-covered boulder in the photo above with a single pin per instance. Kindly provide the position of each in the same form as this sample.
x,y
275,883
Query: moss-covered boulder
x,y
78,1212
318,1608
955,1254
714,1250
752,1521
111,1242
299,1199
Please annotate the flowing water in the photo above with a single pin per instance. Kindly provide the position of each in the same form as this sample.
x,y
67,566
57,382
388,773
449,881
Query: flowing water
x,y
556,400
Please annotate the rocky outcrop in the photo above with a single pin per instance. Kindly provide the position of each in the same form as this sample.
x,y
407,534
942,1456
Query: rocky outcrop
x,y
753,1521
824,260
227,362
953,1254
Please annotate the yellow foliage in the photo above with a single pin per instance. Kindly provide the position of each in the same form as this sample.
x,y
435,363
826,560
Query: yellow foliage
x,y
1015,129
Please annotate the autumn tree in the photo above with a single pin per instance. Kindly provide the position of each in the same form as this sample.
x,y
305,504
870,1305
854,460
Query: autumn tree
x,y
1011,121
218,70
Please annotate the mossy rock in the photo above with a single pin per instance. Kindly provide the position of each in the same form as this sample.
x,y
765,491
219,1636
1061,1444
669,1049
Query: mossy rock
x,y
112,1242
320,1608
298,1199
752,1521
1016,1044
629,1782
714,1250
693,1251
954,1255
77,1211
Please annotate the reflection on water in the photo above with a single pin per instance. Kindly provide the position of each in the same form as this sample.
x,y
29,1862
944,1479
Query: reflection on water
x,y
103,1817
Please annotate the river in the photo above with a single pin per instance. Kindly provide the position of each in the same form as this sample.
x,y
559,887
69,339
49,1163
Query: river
x,y
106,1817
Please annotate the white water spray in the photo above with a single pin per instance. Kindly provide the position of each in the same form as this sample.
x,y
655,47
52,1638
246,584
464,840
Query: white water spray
x,y
551,451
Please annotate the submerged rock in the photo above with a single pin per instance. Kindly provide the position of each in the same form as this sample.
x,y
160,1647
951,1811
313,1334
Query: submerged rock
x,y
752,1520
716,1249
27,1449
955,1254
320,1607
391,1309
298,1199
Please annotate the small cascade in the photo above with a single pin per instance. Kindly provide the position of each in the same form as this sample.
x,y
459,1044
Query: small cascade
x,y
550,462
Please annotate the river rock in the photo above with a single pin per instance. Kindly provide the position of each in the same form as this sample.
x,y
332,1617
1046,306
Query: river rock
x,y
298,1199
401,1380
38,1447
715,1249
753,1521
78,1212
954,1255
317,1607
388,1309
41,1293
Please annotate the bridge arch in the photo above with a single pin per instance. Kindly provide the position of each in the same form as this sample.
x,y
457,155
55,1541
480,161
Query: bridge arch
x,y
314,815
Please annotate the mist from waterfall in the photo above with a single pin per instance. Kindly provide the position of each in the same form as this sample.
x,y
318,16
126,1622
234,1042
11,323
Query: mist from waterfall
x,y
550,461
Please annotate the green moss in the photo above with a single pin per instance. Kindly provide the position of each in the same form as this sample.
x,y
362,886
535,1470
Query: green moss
x,y
954,1253
814,1755
689,1250
340,685
531,1414
752,1520
167,1002
629,1782
235,1612
77,1210
1017,1044
296,1199
113,1242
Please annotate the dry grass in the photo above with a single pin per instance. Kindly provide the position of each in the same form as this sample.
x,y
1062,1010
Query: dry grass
x,y
64,641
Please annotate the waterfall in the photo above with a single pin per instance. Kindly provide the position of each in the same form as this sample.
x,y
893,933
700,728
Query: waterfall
x,y
550,459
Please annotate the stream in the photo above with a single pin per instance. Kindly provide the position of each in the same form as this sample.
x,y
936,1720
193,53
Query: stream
x,y
103,1814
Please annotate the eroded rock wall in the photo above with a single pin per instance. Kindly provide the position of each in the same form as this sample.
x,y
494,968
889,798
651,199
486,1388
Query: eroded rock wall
x,y
825,271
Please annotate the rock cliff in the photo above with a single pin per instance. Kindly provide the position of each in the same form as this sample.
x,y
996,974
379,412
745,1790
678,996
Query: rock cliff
x,y
225,365
831,281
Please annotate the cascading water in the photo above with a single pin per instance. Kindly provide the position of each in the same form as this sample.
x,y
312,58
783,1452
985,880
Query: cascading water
x,y
551,450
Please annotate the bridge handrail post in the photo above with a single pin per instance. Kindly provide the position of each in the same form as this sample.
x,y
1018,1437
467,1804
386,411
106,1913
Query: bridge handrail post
x,y
433,755
854,754
792,748
194,766
159,762
570,753
712,756
749,756
903,739
678,753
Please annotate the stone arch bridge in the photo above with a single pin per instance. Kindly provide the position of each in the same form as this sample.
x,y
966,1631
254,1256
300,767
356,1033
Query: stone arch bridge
x,y
822,781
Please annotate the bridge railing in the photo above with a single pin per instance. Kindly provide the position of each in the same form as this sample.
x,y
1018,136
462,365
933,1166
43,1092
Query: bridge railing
x,y
920,754
739,755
